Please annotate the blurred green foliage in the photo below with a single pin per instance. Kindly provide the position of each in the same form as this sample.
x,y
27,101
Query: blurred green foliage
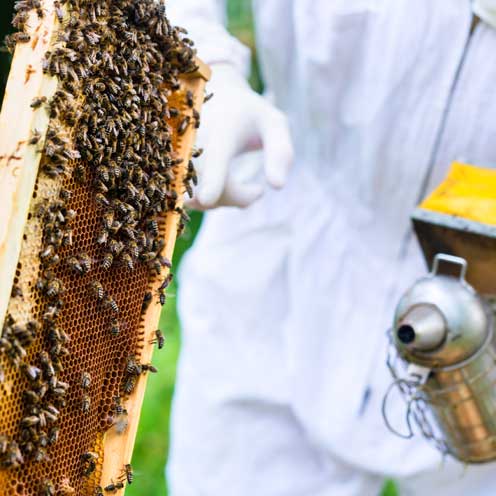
x,y
153,435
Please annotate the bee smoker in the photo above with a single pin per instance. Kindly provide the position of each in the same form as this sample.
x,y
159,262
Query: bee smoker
x,y
443,360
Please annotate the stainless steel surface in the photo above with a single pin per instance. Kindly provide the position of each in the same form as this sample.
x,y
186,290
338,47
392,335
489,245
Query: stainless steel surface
x,y
453,400
466,316
423,328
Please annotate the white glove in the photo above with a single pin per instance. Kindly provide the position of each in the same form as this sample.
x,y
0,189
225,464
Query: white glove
x,y
486,10
236,121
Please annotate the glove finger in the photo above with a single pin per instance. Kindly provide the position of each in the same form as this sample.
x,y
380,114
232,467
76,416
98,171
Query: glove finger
x,y
278,148
240,195
213,169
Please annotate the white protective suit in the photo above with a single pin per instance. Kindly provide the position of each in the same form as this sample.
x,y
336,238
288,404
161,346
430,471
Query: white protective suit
x,y
285,304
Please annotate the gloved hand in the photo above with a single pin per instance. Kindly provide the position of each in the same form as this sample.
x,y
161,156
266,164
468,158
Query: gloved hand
x,y
486,10
236,121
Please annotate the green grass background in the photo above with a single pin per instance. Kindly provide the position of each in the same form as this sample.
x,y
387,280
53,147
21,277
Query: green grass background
x,y
152,443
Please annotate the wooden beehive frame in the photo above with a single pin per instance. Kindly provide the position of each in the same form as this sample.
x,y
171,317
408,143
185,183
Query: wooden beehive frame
x,y
19,164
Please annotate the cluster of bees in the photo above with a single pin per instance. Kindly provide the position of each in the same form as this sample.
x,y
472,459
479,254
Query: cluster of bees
x,y
45,394
117,63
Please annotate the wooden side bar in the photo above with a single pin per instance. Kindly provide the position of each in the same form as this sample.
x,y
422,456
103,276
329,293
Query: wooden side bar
x,y
19,161
118,448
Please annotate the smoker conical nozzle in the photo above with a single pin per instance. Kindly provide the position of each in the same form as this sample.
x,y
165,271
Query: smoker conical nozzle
x,y
423,328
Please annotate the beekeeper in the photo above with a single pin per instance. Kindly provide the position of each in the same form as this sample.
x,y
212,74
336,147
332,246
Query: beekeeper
x,y
285,303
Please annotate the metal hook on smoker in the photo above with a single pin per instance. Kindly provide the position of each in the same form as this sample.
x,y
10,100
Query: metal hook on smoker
x,y
399,383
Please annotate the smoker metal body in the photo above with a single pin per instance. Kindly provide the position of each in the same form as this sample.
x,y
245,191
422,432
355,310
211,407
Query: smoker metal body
x,y
444,331
443,344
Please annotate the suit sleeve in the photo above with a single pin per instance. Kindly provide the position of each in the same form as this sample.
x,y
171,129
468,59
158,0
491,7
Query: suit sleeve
x,y
205,21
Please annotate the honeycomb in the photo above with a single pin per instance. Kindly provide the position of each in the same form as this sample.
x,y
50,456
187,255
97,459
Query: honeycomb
x,y
88,411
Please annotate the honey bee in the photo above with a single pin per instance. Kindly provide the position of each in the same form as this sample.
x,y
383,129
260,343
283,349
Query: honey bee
x,y
37,6
89,463
65,489
38,102
127,261
132,366
53,435
162,298
155,266
166,282
60,389
96,289
20,19
128,473
103,174
108,260
133,248
85,404
147,299
101,187
50,415
183,125
22,37
165,262
70,215
189,189
115,328
149,368
51,313
30,421
121,422
159,339
75,265
65,195
54,288
129,384
46,364
114,487
58,11
85,380
47,488
101,200
116,247
148,257
197,153
109,302
89,455
40,455
153,227
190,102
85,262
35,138
102,237
197,118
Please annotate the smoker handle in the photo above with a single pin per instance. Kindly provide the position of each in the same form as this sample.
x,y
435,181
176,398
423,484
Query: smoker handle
x,y
443,257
